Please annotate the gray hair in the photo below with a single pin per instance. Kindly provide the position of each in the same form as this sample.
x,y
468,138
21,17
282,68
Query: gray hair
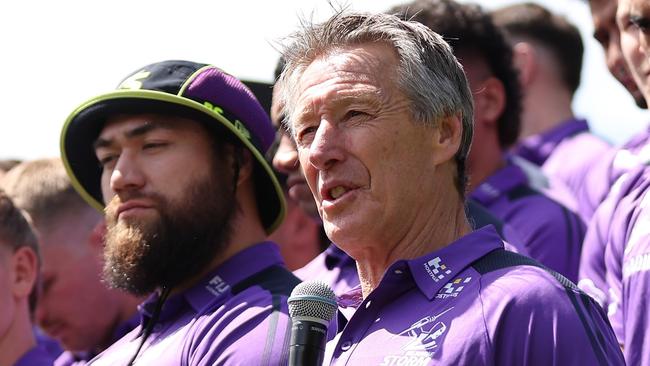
x,y
428,73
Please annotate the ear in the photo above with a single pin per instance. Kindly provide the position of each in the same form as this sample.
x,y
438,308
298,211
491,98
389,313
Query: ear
x,y
245,167
24,270
448,136
489,102
525,61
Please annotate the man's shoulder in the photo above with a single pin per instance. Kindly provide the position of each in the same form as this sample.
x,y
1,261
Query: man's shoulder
x,y
521,279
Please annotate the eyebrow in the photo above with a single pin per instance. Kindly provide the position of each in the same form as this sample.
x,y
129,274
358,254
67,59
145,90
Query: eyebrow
x,y
132,133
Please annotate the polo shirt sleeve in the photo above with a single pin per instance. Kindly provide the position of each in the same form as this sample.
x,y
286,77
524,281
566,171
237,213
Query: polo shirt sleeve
x,y
592,273
544,322
634,315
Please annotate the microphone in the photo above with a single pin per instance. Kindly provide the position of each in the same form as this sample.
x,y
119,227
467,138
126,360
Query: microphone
x,y
312,306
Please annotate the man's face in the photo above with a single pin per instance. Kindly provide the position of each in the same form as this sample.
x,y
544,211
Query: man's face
x,y
364,157
286,161
75,307
170,200
633,19
606,32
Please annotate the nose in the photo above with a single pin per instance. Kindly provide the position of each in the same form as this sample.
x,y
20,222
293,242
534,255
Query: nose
x,y
127,174
327,147
285,159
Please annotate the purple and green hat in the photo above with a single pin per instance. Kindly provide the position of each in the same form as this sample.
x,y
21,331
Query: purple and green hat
x,y
191,90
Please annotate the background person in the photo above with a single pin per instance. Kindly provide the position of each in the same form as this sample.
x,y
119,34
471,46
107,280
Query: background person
x,y
76,308
548,52
496,181
19,265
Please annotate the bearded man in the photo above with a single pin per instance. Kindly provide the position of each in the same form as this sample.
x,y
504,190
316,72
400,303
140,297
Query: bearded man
x,y
176,156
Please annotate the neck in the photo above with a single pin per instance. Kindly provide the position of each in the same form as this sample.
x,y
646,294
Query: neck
x,y
483,165
19,337
544,111
444,223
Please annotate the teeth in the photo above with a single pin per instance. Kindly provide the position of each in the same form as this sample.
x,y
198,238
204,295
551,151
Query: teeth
x,y
337,192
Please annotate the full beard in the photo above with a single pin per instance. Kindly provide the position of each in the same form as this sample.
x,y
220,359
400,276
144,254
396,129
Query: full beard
x,y
175,245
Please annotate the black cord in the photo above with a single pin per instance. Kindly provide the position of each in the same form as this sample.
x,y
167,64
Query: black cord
x,y
164,294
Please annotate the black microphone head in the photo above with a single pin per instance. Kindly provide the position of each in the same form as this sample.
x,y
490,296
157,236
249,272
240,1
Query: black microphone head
x,y
314,300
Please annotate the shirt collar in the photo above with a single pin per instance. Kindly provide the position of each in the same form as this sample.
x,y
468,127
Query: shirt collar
x,y
432,271
499,183
538,148
335,257
215,287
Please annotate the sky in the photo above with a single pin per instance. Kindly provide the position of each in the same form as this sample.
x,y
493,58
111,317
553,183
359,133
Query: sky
x,y
57,54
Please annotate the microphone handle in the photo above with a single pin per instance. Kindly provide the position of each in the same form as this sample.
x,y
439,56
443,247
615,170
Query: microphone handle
x,y
307,344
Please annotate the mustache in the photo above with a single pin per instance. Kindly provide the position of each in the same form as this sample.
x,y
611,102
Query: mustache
x,y
110,209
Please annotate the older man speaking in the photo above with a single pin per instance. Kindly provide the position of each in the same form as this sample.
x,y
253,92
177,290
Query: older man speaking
x,y
381,113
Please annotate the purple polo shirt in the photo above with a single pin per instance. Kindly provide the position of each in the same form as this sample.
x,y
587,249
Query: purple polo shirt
x,y
36,356
616,263
236,315
604,172
473,303
565,152
68,358
334,267
551,233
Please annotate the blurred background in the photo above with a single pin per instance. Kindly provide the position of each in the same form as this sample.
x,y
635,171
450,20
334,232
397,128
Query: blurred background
x,y
57,54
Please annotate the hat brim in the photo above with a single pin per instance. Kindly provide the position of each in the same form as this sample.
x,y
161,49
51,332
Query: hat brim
x,y
84,124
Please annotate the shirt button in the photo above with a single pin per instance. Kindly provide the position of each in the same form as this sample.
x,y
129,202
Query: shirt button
x,y
398,272
346,345
368,304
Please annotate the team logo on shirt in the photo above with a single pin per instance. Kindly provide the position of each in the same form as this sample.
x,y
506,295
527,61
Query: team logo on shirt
x,y
436,269
453,288
425,339
217,286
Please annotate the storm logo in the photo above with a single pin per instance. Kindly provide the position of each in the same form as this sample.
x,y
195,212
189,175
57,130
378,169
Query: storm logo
x,y
425,333
424,341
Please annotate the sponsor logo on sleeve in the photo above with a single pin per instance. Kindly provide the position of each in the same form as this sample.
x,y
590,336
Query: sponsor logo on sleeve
x,y
436,269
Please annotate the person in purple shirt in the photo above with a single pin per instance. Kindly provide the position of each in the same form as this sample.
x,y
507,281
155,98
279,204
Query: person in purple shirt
x,y
381,113
175,158
548,50
75,307
604,173
617,267
19,266
333,266
551,232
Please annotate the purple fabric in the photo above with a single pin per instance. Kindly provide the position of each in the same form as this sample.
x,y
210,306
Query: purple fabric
x,y
607,169
45,342
334,267
551,233
616,262
37,356
572,137
439,310
216,322
68,358
234,97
